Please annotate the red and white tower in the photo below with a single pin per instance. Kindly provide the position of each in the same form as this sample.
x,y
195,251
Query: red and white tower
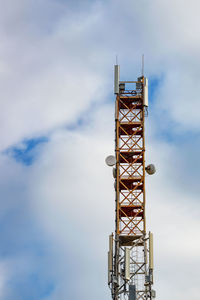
x,y
130,256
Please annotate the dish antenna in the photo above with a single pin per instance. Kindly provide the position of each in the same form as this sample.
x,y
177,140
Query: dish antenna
x,y
150,169
110,160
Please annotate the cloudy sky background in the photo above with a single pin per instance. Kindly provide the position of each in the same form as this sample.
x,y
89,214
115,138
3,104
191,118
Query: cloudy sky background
x,y
57,127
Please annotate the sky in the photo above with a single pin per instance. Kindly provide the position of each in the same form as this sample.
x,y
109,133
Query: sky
x,y
57,127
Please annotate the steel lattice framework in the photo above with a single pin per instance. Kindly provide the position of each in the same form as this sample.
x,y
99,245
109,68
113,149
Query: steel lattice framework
x,y
130,223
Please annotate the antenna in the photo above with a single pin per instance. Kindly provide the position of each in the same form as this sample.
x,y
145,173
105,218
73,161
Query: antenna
x,y
116,59
142,64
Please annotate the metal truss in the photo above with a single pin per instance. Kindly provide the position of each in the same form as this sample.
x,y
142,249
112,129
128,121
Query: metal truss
x,y
130,225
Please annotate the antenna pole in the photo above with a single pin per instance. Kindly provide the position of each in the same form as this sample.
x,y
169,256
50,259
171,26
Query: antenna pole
x,y
116,59
142,64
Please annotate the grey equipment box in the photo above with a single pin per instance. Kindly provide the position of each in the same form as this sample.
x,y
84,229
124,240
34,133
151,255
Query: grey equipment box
x,y
132,292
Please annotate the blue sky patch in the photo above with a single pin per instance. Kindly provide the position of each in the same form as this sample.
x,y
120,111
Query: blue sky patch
x,y
154,83
25,152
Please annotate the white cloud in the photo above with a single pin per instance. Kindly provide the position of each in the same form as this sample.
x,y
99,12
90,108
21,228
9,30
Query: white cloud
x,y
75,207
55,65
73,201
46,80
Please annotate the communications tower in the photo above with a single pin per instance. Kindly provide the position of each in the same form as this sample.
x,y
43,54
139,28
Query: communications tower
x,y
130,256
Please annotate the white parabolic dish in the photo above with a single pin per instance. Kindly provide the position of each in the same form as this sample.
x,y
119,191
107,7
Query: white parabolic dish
x,y
110,160
151,169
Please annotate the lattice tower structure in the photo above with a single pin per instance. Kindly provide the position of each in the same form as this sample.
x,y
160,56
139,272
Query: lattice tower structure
x,y
130,273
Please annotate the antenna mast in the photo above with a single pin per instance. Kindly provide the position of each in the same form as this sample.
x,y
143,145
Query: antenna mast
x,y
142,64
130,256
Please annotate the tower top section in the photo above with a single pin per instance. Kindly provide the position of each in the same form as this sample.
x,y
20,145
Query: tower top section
x,y
136,88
